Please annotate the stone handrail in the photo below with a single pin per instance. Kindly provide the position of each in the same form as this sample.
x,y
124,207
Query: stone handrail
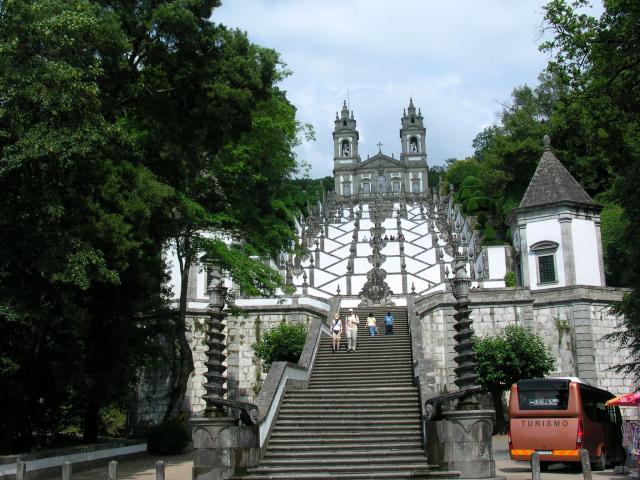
x,y
423,368
284,376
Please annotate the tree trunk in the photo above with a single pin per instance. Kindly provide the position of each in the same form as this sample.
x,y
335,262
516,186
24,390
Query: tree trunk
x,y
92,408
501,426
179,386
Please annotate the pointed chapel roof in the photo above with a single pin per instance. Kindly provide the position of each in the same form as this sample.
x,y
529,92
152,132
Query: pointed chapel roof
x,y
552,183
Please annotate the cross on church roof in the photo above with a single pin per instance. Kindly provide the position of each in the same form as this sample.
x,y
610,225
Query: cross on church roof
x,y
380,147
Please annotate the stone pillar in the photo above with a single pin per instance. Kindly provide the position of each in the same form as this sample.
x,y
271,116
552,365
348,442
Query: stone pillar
x,y
584,351
567,251
603,279
223,448
524,256
462,442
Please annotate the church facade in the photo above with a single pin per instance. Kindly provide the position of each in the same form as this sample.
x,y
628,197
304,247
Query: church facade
x,y
356,179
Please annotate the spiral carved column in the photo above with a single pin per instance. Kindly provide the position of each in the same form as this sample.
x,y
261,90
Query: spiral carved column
x,y
214,386
465,356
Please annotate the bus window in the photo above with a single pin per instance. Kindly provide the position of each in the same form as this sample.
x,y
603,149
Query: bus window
x,y
547,395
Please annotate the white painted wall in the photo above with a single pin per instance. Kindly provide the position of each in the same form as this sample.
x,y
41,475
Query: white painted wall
x,y
537,232
585,252
497,262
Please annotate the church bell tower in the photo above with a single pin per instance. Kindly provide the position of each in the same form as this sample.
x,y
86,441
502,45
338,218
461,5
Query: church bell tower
x,y
345,152
414,149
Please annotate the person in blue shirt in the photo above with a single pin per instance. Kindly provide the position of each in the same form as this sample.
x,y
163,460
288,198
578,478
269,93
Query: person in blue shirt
x,y
388,323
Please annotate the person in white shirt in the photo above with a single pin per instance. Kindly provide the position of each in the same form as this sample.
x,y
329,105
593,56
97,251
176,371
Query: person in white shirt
x,y
352,330
336,332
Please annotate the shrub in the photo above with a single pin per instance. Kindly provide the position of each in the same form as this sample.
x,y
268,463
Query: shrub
x,y
472,205
167,438
510,279
482,219
464,194
112,420
489,234
283,343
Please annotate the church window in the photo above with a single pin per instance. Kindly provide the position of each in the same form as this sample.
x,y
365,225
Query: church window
x,y
396,186
345,148
413,119
413,145
415,185
366,187
346,189
344,123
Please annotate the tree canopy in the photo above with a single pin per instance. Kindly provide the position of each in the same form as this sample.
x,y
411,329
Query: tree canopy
x,y
125,127
516,353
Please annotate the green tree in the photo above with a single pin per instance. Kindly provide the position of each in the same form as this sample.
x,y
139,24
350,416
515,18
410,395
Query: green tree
x,y
516,353
80,251
599,61
283,343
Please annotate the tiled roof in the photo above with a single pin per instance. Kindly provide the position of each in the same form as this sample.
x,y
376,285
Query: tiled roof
x,y
552,183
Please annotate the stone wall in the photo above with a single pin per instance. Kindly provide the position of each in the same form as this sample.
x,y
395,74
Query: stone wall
x,y
244,371
571,320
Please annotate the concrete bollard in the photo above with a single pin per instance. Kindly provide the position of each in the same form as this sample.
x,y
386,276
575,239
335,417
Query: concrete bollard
x,y
113,470
66,471
21,470
535,466
160,470
586,464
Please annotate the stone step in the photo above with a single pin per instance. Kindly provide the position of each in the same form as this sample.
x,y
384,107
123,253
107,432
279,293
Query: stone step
x,y
312,405
384,475
367,393
338,471
330,409
279,446
352,430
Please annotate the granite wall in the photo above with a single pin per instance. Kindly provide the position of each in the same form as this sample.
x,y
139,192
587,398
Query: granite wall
x,y
571,320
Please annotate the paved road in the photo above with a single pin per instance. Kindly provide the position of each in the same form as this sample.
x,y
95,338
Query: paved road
x,y
179,468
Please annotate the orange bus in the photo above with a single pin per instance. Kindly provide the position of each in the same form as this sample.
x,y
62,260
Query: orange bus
x,y
559,416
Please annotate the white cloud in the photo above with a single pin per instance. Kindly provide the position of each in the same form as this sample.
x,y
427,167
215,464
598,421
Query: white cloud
x,y
458,59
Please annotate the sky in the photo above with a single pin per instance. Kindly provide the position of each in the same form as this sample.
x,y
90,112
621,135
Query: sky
x,y
458,59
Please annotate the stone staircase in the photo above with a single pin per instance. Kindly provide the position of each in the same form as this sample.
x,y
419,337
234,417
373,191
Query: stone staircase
x,y
359,417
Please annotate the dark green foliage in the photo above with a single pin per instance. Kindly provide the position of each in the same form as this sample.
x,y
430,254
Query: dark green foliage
x,y
436,172
471,206
482,219
597,60
168,438
510,279
489,234
283,343
516,353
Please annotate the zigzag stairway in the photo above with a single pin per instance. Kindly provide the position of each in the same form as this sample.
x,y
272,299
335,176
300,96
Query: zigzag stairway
x,y
359,417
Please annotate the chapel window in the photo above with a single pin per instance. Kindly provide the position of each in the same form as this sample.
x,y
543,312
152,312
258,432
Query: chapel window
x,y
346,189
545,252
366,187
413,119
396,186
547,269
415,185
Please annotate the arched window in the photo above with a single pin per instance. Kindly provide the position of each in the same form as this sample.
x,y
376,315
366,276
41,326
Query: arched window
x,y
395,185
415,185
346,148
344,123
366,187
413,145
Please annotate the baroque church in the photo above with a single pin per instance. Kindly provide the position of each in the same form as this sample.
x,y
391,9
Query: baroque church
x,y
355,178
383,241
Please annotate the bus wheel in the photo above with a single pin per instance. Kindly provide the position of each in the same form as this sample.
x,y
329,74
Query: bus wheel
x,y
601,463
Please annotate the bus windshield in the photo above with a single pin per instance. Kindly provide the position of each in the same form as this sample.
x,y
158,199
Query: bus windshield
x,y
543,394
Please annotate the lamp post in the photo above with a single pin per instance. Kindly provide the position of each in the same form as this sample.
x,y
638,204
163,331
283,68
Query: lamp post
x,y
214,385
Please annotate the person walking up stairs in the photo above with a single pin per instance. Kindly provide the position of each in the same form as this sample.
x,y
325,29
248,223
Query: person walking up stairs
x,y
359,418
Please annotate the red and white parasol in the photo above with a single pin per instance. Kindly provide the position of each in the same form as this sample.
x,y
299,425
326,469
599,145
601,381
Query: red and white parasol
x,y
626,400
